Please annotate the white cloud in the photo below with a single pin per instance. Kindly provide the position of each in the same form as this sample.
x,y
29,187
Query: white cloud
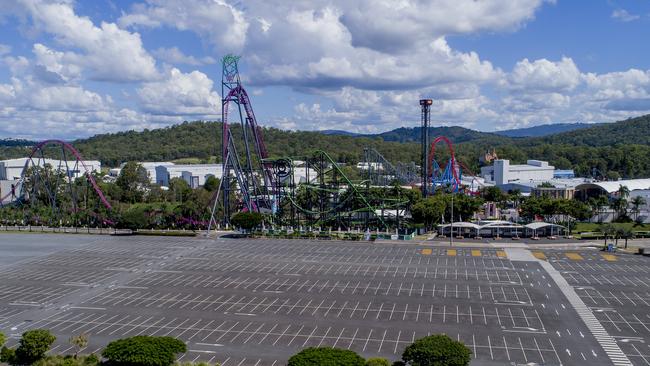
x,y
624,16
545,75
174,56
107,52
218,22
180,94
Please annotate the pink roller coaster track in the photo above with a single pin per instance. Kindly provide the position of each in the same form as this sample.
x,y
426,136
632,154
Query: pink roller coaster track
x,y
77,155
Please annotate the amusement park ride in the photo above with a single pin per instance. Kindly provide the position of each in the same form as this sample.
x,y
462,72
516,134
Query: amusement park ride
x,y
51,192
311,190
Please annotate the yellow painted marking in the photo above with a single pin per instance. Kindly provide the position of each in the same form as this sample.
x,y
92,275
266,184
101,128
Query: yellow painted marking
x,y
501,254
426,251
476,252
451,252
539,255
610,257
574,256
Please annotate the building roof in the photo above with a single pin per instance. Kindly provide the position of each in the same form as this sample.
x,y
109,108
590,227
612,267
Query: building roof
x,y
613,186
539,225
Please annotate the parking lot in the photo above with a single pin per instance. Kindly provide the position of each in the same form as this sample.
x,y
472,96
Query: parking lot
x,y
256,302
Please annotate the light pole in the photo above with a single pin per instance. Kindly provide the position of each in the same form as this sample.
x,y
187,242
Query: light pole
x,y
451,227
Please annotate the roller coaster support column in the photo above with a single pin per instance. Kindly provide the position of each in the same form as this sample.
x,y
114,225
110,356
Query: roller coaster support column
x,y
424,161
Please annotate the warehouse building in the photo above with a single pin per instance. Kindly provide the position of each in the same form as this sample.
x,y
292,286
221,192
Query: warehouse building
x,y
12,169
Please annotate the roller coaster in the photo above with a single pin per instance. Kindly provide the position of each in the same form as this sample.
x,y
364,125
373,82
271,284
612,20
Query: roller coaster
x,y
312,190
61,187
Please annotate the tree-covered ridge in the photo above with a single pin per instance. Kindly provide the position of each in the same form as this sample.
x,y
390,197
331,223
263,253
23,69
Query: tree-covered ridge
x,y
620,149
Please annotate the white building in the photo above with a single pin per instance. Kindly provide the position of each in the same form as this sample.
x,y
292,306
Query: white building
x,y
502,172
194,174
12,169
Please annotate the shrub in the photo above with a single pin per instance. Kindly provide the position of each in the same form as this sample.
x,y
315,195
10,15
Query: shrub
x,y
326,356
436,350
68,360
143,351
8,355
3,339
377,361
33,346
246,220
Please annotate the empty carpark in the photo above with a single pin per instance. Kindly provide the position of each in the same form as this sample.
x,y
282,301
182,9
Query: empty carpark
x,y
257,301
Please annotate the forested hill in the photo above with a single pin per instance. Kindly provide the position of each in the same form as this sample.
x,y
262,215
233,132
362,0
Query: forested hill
x,y
202,140
615,149
631,131
543,130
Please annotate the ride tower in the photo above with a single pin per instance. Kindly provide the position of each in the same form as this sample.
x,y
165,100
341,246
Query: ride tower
x,y
425,105
252,176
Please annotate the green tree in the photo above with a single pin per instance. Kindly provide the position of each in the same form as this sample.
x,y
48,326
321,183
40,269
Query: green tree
x,y
436,350
211,183
637,202
133,182
143,351
429,211
180,189
3,339
79,342
377,361
246,220
326,356
33,345
493,194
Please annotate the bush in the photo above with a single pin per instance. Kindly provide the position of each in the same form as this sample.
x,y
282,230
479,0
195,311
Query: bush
x,y
33,346
143,351
3,339
8,355
436,350
326,356
377,361
68,360
246,220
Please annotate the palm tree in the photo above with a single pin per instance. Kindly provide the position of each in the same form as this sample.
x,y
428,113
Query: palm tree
x,y
637,202
623,191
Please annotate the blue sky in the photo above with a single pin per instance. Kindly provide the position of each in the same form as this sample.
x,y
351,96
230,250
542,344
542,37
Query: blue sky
x,y
76,68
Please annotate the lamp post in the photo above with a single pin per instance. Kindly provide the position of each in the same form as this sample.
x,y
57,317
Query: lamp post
x,y
451,227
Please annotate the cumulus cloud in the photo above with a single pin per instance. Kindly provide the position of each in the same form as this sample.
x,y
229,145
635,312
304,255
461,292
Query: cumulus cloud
x,y
180,94
106,51
545,75
220,23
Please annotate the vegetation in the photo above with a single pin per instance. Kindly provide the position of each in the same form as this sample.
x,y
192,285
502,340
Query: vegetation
x,y
436,350
246,220
79,342
68,360
377,361
31,348
143,351
326,356
609,150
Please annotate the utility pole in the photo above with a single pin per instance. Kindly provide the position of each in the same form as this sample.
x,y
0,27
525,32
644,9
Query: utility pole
x,y
424,142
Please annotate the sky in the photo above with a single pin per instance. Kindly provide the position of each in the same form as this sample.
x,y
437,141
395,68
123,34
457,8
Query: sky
x,y
72,69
